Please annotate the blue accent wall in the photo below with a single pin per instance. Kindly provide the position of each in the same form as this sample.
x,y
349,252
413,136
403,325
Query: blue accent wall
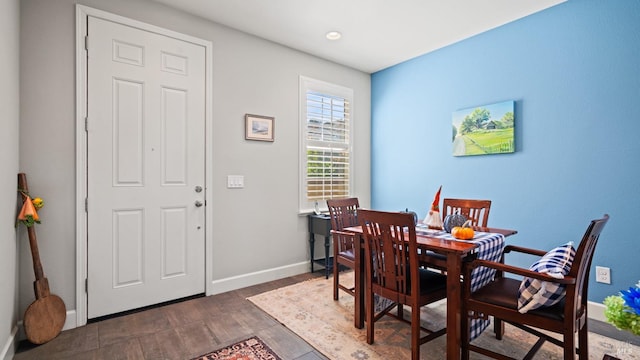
x,y
574,73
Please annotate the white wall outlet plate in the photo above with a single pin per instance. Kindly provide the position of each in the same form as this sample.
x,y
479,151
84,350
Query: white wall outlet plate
x,y
235,181
603,275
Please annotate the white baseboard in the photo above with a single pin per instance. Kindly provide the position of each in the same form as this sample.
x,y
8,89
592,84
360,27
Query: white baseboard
x,y
70,322
596,311
237,282
9,348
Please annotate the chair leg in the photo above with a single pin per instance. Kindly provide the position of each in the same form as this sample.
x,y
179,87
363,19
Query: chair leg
x,y
335,277
415,332
358,297
369,315
464,336
583,342
570,346
498,328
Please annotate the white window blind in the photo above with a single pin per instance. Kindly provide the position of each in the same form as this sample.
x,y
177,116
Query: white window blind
x,y
326,150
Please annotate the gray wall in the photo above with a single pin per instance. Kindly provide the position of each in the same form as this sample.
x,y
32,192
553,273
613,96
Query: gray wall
x,y
255,229
9,116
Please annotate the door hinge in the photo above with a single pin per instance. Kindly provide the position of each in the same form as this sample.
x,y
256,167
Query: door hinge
x,y
86,42
86,286
86,204
86,124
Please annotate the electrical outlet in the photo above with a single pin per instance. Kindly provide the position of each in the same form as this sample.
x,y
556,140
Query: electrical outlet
x,y
603,275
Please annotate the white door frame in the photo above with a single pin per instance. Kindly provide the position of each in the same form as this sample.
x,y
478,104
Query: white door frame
x,y
81,146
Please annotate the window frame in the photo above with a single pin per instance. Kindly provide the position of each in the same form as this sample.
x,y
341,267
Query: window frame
x,y
308,84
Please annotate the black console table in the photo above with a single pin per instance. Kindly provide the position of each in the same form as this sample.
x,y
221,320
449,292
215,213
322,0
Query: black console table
x,y
320,225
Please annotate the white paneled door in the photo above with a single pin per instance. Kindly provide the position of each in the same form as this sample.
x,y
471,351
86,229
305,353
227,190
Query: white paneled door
x,y
146,169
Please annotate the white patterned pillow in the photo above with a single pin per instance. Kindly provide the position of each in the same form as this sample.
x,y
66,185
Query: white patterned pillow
x,y
535,293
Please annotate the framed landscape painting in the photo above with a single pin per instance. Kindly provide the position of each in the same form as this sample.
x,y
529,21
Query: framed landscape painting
x,y
482,130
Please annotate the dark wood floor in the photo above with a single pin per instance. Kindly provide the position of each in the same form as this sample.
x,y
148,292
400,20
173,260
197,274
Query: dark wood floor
x,y
186,329
181,330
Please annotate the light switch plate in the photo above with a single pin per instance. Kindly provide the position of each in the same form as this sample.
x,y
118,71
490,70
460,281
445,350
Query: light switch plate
x,y
235,181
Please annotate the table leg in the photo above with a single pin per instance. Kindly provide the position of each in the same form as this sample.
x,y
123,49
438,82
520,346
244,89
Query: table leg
x,y
454,302
312,242
327,244
359,283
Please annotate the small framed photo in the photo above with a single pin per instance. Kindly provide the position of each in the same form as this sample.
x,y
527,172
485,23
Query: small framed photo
x,y
259,127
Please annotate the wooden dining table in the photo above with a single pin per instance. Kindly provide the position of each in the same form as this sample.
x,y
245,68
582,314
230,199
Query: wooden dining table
x,y
454,251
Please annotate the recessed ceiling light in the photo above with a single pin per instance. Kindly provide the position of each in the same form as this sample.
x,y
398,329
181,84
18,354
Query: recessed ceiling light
x,y
333,35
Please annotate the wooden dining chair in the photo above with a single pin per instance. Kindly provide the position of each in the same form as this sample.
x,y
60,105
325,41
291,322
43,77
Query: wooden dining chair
x,y
475,210
393,272
516,301
344,213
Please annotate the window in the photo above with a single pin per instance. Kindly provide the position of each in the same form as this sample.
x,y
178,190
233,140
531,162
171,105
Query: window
x,y
326,143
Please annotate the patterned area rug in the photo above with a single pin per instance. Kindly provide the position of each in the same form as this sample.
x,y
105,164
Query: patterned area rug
x,y
308,309
250,349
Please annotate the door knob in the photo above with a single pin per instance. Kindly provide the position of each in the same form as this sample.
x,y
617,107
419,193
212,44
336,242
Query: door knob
x,y
198,189
199,203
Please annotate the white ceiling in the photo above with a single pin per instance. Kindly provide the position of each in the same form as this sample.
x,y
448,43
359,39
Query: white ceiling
x,y
376,34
